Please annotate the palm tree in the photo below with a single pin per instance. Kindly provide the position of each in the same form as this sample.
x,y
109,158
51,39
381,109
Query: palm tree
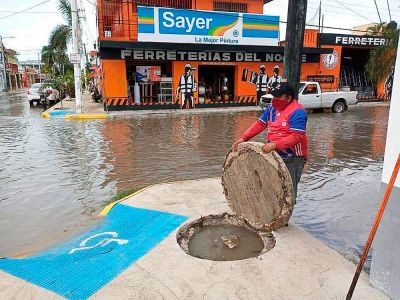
x,y
61,35
382,58
48,55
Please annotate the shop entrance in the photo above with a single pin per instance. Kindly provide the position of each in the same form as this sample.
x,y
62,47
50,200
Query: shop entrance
x,y
216,83
149,83
352,74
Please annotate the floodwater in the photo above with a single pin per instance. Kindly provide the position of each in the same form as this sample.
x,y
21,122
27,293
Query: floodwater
x,y
56,175
225,242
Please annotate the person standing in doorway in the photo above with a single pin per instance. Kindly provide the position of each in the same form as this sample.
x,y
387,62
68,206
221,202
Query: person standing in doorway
x,y
286,121
186,87
261,84
275,79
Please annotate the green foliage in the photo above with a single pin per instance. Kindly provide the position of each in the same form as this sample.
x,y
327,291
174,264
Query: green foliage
x,y
61,82
125,193
60,37
64,6
54,55
382,58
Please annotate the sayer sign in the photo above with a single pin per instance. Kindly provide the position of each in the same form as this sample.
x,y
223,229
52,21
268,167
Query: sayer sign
x,y
207,27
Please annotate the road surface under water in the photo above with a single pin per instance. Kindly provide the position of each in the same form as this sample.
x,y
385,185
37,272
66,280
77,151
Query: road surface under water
x,y
56,175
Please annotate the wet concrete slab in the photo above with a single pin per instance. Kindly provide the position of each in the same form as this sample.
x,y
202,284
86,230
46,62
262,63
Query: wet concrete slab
x,y
298,267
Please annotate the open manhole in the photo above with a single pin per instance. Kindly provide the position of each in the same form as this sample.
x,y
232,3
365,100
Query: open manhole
x,y
223,237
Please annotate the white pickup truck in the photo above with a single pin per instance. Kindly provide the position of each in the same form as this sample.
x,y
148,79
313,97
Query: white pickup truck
x,y
311,97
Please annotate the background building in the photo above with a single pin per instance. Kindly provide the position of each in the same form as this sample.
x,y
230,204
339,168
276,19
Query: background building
x,y
144,47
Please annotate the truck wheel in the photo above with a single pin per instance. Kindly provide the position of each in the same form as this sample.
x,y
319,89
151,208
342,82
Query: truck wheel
x,y
339,107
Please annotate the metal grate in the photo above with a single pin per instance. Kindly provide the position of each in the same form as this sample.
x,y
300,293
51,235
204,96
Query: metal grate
x,y
230,6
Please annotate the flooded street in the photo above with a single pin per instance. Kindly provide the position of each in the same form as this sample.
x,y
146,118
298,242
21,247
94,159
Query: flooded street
x,y
57,175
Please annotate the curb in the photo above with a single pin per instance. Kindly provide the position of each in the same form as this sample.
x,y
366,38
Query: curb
x,y
85,116
46,114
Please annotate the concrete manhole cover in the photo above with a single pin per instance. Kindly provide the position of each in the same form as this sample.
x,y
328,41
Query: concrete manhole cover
x,y
223,237
258,186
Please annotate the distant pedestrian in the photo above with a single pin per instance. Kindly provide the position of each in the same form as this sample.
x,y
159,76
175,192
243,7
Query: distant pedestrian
x,y
261,83
275,78
286,121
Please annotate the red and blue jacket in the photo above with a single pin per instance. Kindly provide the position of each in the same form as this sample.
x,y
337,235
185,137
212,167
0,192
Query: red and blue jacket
x,y
286,128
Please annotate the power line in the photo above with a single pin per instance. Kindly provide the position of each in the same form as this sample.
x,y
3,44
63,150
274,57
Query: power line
x,y
91,3
377,10
21,11
390,16
30,12
345,6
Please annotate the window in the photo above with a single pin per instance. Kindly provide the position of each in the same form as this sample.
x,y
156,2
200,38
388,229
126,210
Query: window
x,y
310,89
230,6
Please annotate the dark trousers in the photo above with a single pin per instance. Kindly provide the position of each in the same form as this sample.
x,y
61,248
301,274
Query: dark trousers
x,y
259,94
295,166
187,100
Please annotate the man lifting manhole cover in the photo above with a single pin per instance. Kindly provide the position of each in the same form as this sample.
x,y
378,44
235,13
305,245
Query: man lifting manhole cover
x,y
286,121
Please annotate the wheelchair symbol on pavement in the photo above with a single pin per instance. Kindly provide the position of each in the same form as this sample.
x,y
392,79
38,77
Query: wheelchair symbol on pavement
x,y
110,237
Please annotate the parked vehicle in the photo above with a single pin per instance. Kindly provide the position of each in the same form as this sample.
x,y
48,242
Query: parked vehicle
x,y
311,97
37,92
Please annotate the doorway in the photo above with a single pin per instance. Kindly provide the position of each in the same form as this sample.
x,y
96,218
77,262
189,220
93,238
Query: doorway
x,y
216,83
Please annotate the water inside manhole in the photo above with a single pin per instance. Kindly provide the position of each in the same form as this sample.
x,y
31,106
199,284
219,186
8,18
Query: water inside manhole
x,y
225,242
223,237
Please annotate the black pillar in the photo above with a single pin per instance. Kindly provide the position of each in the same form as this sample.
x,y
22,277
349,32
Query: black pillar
x,y
296,19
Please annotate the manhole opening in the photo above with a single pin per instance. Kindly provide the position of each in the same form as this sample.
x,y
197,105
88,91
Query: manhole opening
x,y
223,237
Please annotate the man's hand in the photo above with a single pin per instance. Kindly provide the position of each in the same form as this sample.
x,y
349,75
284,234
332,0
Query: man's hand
x,y
236,144
268,147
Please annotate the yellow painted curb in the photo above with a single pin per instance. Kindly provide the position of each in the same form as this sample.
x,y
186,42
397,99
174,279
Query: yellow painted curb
x,y
45,114
85,116
111,205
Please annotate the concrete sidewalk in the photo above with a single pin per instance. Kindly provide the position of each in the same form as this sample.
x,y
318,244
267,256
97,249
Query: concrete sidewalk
x,y
93,109
96,110
299,267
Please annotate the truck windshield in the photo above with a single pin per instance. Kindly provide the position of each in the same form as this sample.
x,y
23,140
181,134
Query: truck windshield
x,y
301,85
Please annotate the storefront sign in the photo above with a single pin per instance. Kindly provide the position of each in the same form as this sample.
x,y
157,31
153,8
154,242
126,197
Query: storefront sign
x,y
200,56
206,27
352,40
321,78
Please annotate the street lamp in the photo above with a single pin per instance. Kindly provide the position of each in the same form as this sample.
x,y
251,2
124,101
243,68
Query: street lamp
x,y
3,53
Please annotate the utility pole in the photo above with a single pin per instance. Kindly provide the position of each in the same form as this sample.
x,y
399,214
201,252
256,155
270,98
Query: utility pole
x,y
39,62
297,10
319,24
75,49
3,53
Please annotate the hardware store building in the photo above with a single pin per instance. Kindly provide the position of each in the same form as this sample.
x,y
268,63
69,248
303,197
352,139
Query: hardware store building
x,y
144,50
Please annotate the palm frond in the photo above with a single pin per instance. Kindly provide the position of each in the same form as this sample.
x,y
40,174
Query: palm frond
x,y
382,58
64,6
60,37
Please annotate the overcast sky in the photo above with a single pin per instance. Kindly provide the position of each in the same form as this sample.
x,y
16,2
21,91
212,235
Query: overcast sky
x,y
32,28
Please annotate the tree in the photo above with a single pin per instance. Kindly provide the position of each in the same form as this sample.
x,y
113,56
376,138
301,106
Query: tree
x,y
382,58
61,35
55,53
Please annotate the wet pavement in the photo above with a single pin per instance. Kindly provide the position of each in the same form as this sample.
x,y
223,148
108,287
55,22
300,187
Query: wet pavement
x,y
57,175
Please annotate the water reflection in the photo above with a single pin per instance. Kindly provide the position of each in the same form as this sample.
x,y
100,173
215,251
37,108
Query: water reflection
x,y
57,175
